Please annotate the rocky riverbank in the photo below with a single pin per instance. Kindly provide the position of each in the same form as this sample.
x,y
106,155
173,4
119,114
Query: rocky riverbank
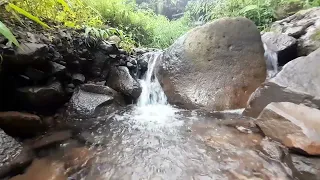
x,y
61,92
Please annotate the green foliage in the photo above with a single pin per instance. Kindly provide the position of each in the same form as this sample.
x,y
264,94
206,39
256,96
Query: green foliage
x,y
144,26
71,13
7,34
262,12
26,14
94,36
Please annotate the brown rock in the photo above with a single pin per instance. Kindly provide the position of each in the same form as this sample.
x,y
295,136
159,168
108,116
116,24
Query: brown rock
x,y
298,82
43,169
50,138
296,126
216,66
25,123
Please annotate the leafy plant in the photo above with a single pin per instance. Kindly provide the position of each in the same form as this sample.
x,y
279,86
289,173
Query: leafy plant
x,y
8,34
26,14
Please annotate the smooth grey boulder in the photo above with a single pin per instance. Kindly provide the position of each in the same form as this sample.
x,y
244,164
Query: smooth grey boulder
x,y
298,82
214,67
121,80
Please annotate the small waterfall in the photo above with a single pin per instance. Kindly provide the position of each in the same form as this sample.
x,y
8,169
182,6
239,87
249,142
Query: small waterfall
x,y
152,93
271,58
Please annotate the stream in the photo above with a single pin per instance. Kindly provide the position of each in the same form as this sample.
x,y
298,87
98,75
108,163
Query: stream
x,y
154,140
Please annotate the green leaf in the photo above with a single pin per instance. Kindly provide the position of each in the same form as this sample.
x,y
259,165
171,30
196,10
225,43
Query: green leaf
x,y
248,8
7,34
28,15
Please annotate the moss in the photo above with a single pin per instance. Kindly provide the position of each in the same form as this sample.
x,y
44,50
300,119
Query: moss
x,y
316,35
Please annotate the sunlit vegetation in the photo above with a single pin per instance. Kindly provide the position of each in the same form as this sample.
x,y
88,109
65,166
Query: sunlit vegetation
x,y
143,23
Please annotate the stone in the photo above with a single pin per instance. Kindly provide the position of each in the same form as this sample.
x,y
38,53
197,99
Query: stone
x,y
108,48
50,139
298,82
304,26
35,74
121,81
214,67
295,126
305,167
42,169
57,69
42,97
283,45
12,155
89,99
27,124
78,79
30,53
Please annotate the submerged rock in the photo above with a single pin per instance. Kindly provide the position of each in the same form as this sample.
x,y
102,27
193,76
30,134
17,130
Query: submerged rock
x,y
121,80
90,99
298,82
295,126
43,169
216,66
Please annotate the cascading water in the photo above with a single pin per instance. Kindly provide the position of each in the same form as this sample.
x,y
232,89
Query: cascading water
x,y
152,93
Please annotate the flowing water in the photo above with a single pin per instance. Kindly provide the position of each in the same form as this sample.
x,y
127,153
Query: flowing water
x,y
154,140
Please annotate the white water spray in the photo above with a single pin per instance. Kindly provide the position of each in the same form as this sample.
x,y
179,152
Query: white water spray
x,y
152,92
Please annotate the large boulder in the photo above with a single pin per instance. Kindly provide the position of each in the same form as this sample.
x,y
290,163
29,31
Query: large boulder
x,y
90,100
295,126
121,80
216,66
298,82
304,26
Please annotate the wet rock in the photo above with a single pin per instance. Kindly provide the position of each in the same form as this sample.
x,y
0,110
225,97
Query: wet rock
x,y
283,45
57,69
305,167
43,169
21,124
108,47
35,74
30,53
216,66
12,155
100,62
121,81
78,79
91,100
50,139
304,26
295,126
42,97
297,82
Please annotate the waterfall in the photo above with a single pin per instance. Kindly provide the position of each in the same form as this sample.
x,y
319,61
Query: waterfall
x,y
152,93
